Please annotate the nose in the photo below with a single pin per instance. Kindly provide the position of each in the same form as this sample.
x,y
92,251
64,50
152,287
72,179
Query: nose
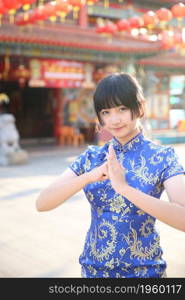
x,y
115,119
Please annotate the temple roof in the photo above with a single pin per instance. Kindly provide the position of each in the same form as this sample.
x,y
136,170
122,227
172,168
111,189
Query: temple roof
x,y
167,59
75,37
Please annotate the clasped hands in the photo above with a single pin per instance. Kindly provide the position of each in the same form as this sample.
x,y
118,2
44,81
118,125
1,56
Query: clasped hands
x,y
112,170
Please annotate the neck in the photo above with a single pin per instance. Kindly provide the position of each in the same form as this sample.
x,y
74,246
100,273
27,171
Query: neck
x,y
129,137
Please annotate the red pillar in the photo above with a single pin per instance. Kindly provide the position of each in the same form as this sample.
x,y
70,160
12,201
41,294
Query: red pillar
x,y
83,17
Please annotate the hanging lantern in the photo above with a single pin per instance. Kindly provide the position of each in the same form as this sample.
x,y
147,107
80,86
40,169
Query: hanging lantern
x,y
150,19
100,25
49,9
164,14
136,22
3,11
100,29
21,74
107,29
123,25
62,9
26,4
110,28
39,13
11,6
178,10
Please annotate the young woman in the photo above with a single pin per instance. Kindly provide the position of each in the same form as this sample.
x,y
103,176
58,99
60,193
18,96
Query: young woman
x,y
123,181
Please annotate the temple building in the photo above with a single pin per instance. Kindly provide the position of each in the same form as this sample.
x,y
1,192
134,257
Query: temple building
x,y
53,53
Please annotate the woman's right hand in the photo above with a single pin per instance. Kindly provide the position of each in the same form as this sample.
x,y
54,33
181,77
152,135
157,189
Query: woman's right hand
x,y
98,173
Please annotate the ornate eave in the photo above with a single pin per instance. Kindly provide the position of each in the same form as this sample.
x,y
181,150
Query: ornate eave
x,y
171,62
155,4
71,42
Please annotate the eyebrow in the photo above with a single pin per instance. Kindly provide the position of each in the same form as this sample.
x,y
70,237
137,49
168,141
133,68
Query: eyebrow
x,y
114,107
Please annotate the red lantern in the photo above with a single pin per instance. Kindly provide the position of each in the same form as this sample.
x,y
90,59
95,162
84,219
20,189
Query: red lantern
x,y
136,22
150,19
50,9
123,25
38,13
3,9
178,10
24,2
63,8
75,3
11,4
100,29
110,28
164,14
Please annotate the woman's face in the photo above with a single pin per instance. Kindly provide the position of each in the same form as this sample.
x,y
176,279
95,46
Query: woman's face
x,y
118,121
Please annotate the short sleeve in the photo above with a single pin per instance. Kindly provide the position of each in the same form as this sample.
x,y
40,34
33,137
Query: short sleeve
x,y
172,165
82,163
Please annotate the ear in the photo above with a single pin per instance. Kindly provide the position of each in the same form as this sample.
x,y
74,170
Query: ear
x,y
97,127
142,109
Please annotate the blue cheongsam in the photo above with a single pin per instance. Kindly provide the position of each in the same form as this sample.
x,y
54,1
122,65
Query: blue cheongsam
x,y
122,240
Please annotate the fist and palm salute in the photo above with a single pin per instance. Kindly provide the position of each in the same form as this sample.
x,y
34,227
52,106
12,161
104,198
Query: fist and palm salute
x,y
111,169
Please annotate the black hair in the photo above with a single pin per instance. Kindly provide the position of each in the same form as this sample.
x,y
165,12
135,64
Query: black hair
x,y
118,89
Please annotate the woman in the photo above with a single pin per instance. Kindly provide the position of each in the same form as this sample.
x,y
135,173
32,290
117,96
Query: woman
x,y
123,181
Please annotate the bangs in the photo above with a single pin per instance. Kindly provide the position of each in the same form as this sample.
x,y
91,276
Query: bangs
x,y
110,95
108,102
117,90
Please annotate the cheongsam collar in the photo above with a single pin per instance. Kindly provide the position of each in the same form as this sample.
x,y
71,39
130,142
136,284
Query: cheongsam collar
x,y
130,145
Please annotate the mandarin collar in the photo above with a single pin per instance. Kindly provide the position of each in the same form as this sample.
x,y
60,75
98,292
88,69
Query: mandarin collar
x,y
130,145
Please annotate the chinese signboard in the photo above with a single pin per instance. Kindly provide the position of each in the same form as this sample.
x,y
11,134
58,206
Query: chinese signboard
x,y
56,73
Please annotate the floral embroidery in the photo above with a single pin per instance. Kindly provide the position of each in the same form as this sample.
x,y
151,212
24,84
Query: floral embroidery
x,y
117,204
105,231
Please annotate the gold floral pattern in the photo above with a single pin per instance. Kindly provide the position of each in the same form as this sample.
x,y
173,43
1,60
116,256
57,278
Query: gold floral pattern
x,y
104,230
147,227
138,250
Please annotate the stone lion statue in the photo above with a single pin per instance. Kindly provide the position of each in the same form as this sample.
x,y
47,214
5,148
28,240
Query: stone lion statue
x,y
10,150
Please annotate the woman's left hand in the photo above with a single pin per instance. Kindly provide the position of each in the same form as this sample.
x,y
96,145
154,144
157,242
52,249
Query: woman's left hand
x,y
116,172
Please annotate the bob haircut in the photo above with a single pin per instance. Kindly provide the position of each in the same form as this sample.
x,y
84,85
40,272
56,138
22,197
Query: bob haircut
x,y
119,89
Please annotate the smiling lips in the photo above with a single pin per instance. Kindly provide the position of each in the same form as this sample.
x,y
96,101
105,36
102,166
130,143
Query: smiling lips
x,y
118,128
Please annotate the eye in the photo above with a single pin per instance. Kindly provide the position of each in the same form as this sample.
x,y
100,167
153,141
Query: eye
x,y
104,112
122,108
